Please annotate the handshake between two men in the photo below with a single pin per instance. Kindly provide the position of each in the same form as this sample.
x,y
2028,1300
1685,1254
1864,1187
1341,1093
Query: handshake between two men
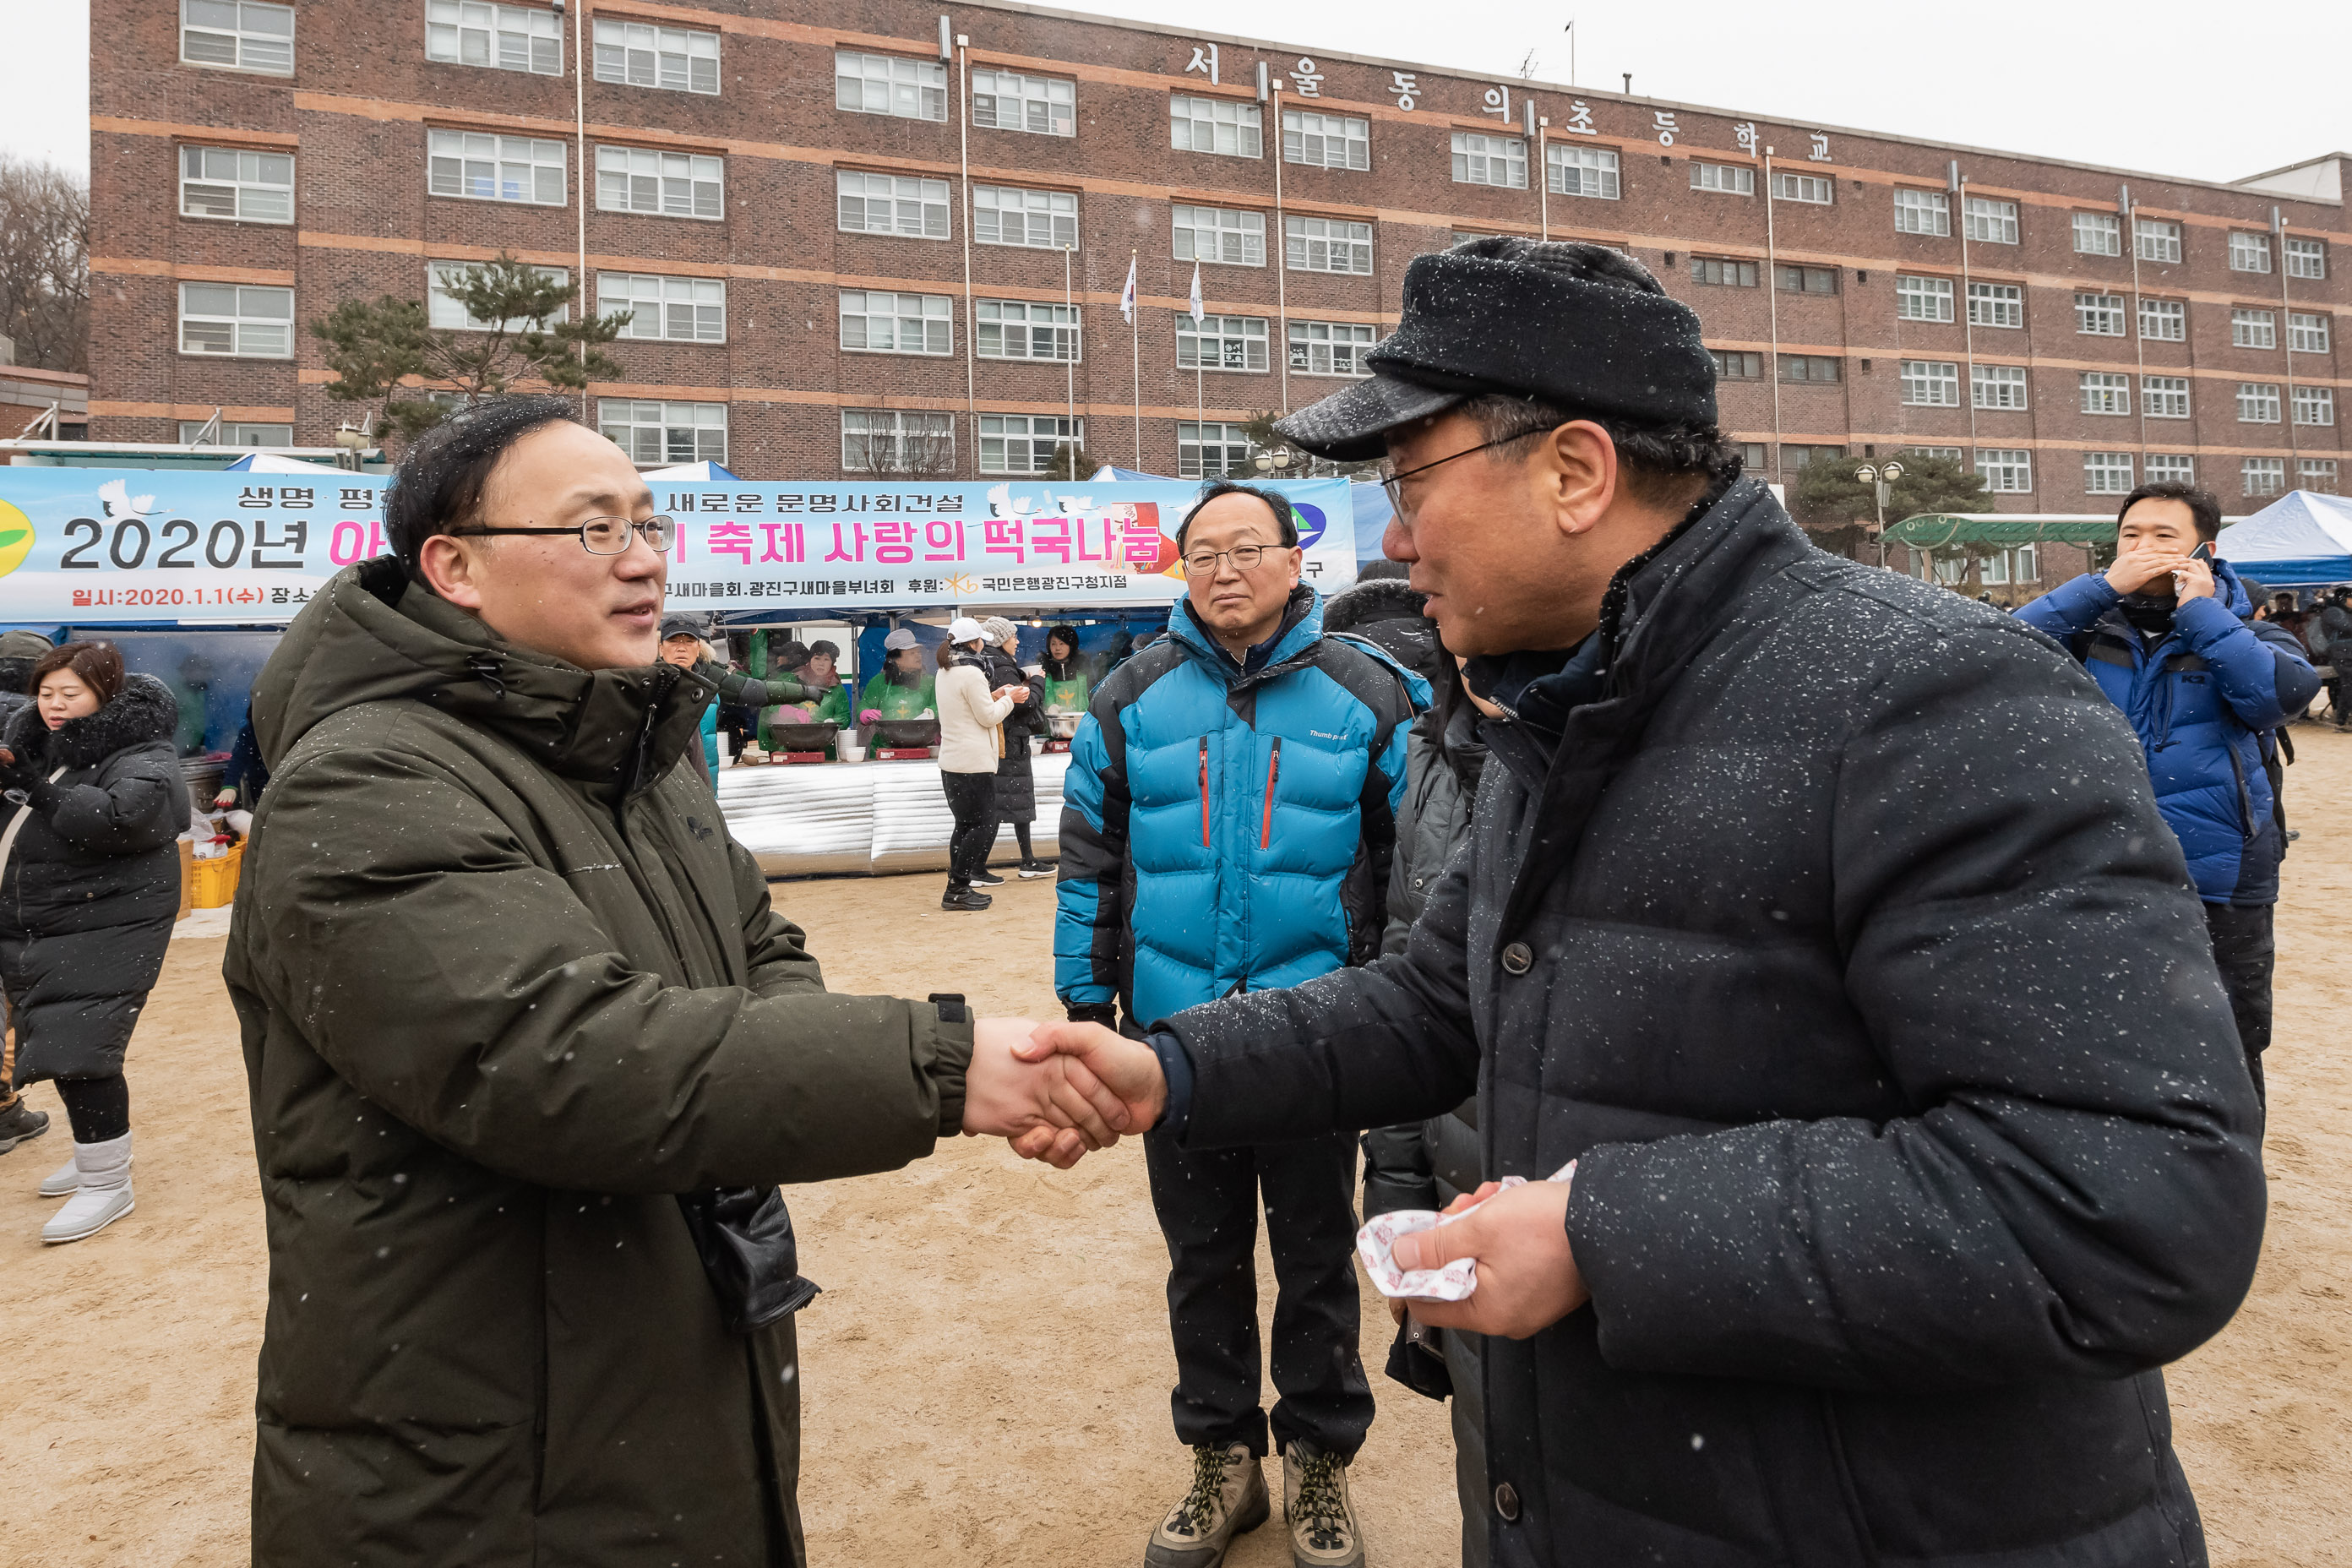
x,y
1058,1091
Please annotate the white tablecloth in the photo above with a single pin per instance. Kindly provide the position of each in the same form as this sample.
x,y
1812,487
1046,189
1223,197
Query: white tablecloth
x,y
870,816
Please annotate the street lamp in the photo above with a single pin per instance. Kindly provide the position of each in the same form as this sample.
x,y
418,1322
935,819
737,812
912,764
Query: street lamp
x,y
353,441
1879,479
1275,462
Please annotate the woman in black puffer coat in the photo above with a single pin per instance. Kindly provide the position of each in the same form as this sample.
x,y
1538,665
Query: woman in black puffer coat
x,y
89,886
1016,784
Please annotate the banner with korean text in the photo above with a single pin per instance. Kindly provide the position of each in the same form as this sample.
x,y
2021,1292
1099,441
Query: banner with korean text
x,y
99,545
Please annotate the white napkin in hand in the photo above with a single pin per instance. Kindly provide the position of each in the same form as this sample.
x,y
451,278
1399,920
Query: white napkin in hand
x,y
1456,1281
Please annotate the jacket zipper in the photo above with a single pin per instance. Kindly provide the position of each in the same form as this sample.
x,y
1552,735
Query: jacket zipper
x,y
1272,772
1204,792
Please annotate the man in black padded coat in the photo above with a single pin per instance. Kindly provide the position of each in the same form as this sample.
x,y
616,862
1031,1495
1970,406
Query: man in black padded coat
x,y
1820,926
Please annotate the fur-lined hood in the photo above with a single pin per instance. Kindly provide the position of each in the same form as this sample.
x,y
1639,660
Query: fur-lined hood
x,y
142,712
1375,599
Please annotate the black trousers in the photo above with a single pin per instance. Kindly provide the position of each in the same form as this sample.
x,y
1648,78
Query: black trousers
x,y
98,1108
972,799
1207,1203
2243,951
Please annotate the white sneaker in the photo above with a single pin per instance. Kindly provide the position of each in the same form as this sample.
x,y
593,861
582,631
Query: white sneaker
x,y
61,1181
102,1195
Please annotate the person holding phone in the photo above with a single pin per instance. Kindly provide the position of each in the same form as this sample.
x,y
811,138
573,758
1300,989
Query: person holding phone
x,y
2169,634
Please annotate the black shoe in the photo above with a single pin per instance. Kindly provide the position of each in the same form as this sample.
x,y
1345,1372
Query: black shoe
x,y
1031,869
986,879
965,899
20,1122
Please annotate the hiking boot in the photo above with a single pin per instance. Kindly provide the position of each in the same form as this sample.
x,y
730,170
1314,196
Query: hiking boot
x,y
1031,869
1228,1498
103,1195
965,899
20,1122
986,879
1314,1501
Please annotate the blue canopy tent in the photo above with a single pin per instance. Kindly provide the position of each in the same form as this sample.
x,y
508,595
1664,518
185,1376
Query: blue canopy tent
x,y
2303,539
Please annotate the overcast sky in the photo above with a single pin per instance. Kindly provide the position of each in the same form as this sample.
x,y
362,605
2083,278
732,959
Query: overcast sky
x,y
2211,92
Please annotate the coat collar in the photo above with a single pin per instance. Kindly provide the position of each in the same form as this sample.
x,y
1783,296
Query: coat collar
x,y
142,712
1301,629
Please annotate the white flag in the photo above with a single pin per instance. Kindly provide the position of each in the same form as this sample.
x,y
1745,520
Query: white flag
x,y
1198,313
1126,298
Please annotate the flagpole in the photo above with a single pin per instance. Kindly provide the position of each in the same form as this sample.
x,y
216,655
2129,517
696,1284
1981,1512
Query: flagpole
x,y
1070,368
1135,348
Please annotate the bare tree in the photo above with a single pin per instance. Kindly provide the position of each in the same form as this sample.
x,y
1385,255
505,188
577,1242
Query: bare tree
x,y
45,264
922,446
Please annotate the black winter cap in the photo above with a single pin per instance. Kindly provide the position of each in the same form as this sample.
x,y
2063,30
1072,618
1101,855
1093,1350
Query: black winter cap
x,y
1523,318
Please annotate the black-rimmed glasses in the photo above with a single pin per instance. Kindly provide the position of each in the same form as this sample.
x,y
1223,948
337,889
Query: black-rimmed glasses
x,y
601,535
1393,483
1245,557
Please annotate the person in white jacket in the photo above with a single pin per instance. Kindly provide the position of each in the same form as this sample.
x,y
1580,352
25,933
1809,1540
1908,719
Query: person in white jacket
x,y
970,744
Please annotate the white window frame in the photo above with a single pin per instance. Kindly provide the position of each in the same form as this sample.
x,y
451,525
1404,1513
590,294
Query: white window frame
x,y
1730,179
2007,471
250,195
2258,403
528,39
1057,209
928,200
1326,141
1040,105
252,331
889,84
1575,168
445,311
2105,392
2106,473
2177,467
1479,158
669,60
1918,299
2307,331
2315,473
1730,272
451,157
1229,441
1931,383
1242,338
1813,190
1235,237
1992,221
2260,477
1225,127
2248,252
1998,305
660,303
680,432
927,318
2313,406
1949,454
891,427
2164,396
2163,314
1345,247
233,432
2306,257
2158,239
2098,234
653,183
1038,437
2100,315
2001,387
1751,366
1331,348
264,50
1033,323
1922,212
2252,329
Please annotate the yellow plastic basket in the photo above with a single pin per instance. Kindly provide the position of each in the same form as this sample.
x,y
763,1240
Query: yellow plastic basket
x,y
216,880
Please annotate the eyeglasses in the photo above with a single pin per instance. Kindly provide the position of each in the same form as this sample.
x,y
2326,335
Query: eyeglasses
x,y
1394,483
1245,557
600,535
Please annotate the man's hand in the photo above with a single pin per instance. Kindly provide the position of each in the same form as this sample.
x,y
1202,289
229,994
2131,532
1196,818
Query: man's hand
x,y
2141,564
2192,579
1102,1070
1527,1279
1007,1096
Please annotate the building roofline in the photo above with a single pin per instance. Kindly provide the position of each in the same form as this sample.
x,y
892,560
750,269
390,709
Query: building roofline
x,y
1385,63
2298,163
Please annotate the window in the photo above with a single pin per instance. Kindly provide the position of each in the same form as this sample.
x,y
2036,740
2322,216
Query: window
x,y
876,323
2258,403
1024,442
2165,321
224,182
2159,240
2306,333
2098,234
1327,245
445,310
1221,343
1931,383
2164,396
2006,471
2263,475
240,34
679,310
2306,257
1991,222
505,37
1738,365
1922,212
1796,456
1793,279
879,84
2176,467
484,168
890,203
1817,189
1733,179
1922,299
654,433
1042,105
677,60
234,433
1210,451
1995,305
2099,315
2252,329
1220,235
1998,385
1006,215
1808,367
2249,252
1752,456
1489,159
1948,454
236,318
2311,474
1723,273
2314,406
1326,141
1220,125
896,441
1576,170
2106,392
673,184
1023,329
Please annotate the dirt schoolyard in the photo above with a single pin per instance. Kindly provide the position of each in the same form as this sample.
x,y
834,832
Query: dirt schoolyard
x,y
987,1373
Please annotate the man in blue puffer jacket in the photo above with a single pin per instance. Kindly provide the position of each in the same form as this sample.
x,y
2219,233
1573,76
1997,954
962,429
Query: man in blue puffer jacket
x,y
1228,819
2173,642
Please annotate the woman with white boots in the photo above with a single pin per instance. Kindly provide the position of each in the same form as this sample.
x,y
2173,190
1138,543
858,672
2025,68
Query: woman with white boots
x,y
92,799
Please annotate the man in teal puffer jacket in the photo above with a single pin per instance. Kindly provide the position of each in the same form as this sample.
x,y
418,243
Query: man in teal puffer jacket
x,y
1228,818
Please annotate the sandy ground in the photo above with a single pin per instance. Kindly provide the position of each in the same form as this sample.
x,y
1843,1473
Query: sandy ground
x,y
957,1415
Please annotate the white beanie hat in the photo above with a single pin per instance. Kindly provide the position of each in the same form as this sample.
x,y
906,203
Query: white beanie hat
x,y
964,629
